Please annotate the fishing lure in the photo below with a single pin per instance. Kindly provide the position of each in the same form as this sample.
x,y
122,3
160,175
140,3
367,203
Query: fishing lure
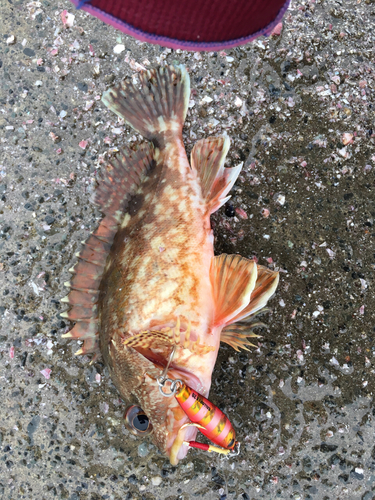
x,y
204,415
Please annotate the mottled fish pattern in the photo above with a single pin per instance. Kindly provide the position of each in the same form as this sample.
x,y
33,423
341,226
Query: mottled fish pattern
x,y
146,280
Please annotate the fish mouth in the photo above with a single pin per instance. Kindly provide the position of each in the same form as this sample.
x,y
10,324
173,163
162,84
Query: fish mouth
x,y
184,431
175,370
179,449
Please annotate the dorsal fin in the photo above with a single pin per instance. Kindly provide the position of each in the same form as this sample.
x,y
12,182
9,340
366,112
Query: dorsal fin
x,y
122,178
233,279
208,157
119,183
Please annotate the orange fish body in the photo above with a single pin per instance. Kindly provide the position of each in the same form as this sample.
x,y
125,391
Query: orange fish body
x,y
147,280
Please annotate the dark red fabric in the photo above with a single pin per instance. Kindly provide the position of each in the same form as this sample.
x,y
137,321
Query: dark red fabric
x,y
194,20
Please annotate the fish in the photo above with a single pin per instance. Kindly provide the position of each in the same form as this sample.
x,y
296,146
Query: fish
x,y
147,284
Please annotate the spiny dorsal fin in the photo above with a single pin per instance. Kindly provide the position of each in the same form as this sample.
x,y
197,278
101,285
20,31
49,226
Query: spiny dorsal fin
x,y
233,279
265,287
120,182
208,157
159,106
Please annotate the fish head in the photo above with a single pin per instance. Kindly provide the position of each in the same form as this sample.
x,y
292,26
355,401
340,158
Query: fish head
x,y
151,412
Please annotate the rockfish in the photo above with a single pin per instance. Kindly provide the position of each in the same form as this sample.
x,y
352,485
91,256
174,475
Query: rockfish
x,y
147,280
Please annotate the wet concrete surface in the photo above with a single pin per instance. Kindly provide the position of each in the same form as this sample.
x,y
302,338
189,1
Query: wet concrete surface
x,y
303,401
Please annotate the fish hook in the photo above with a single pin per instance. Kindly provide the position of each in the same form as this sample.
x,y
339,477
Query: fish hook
x,y
163,380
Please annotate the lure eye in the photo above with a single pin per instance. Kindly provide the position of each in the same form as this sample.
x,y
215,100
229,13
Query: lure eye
x,y
137,421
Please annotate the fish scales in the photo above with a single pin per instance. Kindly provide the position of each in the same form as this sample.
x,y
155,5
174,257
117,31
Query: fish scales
x,y
151,280
159,257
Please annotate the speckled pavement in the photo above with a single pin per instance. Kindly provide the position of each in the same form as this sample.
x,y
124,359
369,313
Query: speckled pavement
x,y
299,108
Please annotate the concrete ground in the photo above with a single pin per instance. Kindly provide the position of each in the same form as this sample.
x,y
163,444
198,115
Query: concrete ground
x,y
299,108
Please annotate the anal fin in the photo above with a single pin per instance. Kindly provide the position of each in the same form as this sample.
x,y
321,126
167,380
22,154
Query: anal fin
x,y
208,158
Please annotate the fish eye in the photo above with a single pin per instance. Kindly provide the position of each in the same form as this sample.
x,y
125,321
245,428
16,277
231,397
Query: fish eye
x,y
137,422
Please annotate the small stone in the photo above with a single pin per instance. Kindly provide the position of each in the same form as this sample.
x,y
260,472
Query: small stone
x,y
334,361
49,219
238,102
54,137
143,450
229,210
46,373
241,213
29,52
117,49
83,87
38,83
67,18
277,30
326,448
206,99
279,198
347,138
11,40
156,480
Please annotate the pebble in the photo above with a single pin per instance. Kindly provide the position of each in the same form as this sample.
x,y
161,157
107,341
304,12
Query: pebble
x,y
29,52
143,450
117,49
156,480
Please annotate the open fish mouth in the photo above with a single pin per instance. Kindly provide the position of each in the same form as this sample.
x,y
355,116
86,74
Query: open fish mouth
x,y
181,432
179,449
175,370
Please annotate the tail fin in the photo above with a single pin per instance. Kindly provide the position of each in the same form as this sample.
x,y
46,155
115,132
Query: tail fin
x,y
160,105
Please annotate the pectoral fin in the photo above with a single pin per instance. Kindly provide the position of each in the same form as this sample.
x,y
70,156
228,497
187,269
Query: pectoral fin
x,y
237,334
233,279
265,287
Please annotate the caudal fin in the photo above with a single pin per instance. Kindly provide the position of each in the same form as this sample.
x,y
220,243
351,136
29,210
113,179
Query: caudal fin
x,y
158,106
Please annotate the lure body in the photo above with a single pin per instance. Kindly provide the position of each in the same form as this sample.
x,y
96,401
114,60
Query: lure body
x,y
212,421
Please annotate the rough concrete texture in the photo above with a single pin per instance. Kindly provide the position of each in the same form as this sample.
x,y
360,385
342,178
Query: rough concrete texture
x,y
299,110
